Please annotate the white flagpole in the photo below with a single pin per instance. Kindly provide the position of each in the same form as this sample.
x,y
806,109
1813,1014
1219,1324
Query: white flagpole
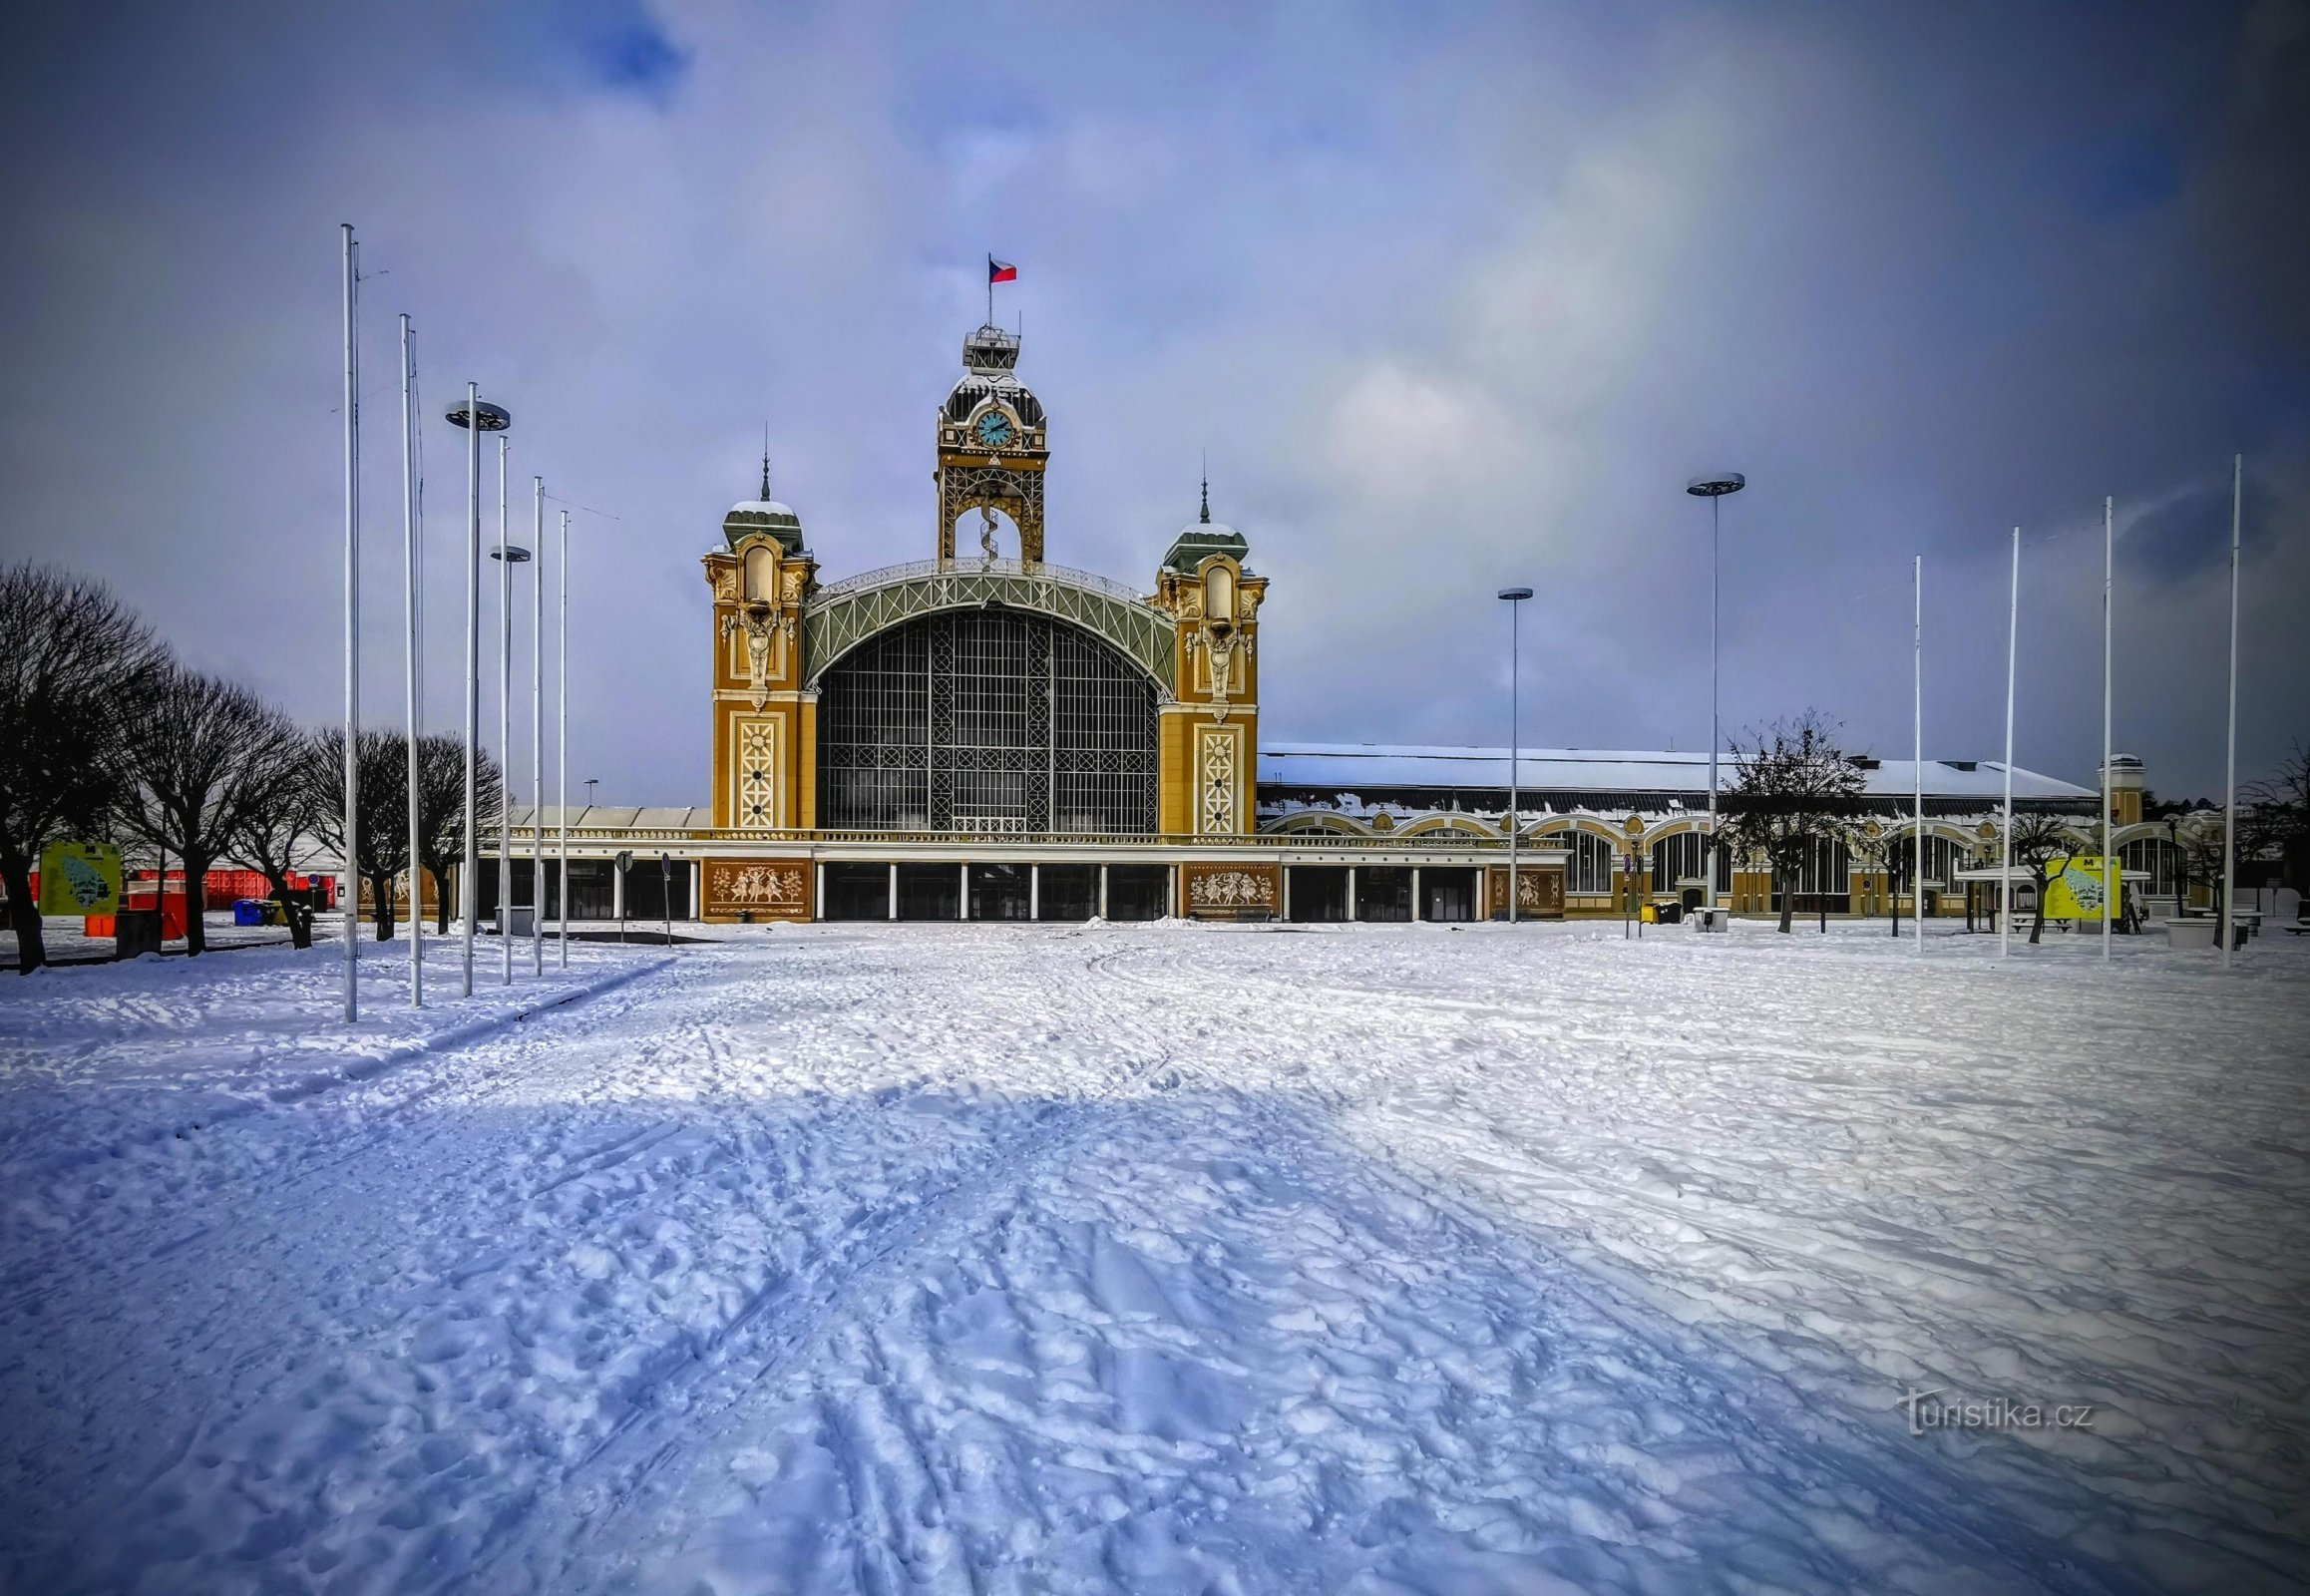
x,y
2227,933
505,723
562,736
1917,749
2005,861
538,735
349,906
409,562
2108,546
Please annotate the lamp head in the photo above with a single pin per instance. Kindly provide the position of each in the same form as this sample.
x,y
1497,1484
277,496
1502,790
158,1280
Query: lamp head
x,y
1515,594
482,417
1717,485
512,554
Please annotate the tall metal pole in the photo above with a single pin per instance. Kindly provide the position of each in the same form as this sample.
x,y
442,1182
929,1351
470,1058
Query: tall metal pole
x,y
2004,860
1709,864
561,735
1918,743
538,733
1514,597
1714,487
469,870
409,563
505,724
350,907
2109,544
1515,750
2228,933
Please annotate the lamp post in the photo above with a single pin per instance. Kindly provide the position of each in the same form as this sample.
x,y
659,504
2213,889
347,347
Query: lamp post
x,y
476,417
1714,487
506,556
1514,599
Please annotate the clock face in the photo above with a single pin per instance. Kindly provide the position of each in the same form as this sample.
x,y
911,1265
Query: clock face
x,y
993,429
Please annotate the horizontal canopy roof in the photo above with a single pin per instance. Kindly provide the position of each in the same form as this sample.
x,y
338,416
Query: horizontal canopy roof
x,y
1351,766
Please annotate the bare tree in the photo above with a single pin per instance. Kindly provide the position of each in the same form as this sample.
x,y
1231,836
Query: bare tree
x,y
187,741
2037,840
2278,817
73,659
1793,790
441,811
274,825
380,820
1892,850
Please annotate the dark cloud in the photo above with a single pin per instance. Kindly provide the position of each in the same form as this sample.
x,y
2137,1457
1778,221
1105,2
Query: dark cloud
x,y
1452,298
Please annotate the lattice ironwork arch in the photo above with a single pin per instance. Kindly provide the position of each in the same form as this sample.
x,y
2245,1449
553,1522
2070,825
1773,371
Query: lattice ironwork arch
x,y
841,617
986,720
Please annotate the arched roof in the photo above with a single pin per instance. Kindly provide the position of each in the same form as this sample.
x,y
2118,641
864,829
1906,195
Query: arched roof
x,y
840,617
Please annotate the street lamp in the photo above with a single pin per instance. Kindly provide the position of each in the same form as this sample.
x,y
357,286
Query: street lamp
x,y
506,556
1714,489
1514,597
476,417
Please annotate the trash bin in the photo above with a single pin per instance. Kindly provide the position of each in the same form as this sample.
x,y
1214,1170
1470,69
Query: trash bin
x,y
135,931
1648,914
248,912
519,917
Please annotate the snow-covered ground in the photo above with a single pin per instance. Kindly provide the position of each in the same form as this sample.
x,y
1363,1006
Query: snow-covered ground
x,y
1154,1258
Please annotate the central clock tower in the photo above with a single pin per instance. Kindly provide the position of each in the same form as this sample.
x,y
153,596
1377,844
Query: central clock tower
x,y
991,449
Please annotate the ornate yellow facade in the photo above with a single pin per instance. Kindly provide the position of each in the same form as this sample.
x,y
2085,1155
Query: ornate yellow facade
x,y
776,633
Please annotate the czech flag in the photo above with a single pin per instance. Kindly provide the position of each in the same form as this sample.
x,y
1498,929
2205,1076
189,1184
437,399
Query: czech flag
x,y
1000,271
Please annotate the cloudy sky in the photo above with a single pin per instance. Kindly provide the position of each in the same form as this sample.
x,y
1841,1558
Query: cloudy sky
x,y
1453,296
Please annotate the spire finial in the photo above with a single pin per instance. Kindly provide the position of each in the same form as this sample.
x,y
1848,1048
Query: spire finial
x,y
1205,517
765,461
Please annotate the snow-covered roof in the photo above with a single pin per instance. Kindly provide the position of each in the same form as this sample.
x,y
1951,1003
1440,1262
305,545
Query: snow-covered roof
x,y
622,817
1347,766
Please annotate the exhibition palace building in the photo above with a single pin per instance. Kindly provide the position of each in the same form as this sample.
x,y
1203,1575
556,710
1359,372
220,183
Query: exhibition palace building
x,y
971,737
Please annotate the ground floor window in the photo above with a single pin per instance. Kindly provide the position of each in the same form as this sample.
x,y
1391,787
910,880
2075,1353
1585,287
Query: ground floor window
x,y
929,892
657,891
857,891
1383,893
1678,859
1000,892
1319,893
1138,892
1448,894
2153,855
1069,892
1589,867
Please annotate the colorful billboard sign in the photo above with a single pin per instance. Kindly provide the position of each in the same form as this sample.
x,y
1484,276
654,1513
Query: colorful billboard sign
x,y
80,878
2079,887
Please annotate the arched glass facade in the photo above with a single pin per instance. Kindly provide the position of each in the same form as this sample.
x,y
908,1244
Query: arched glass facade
x,y
992,721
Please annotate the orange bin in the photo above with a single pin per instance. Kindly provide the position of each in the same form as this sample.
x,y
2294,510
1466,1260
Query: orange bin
x,y
171,917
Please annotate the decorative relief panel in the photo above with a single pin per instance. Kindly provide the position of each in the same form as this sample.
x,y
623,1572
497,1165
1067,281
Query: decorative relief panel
x,y
1232,889
1539,888
755,760
767,889
1218,770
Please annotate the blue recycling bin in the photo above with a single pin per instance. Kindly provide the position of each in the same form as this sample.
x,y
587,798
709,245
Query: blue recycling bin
x,y
248,912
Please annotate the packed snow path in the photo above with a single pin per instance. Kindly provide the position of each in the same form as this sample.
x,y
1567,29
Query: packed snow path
x,y
1161,1259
